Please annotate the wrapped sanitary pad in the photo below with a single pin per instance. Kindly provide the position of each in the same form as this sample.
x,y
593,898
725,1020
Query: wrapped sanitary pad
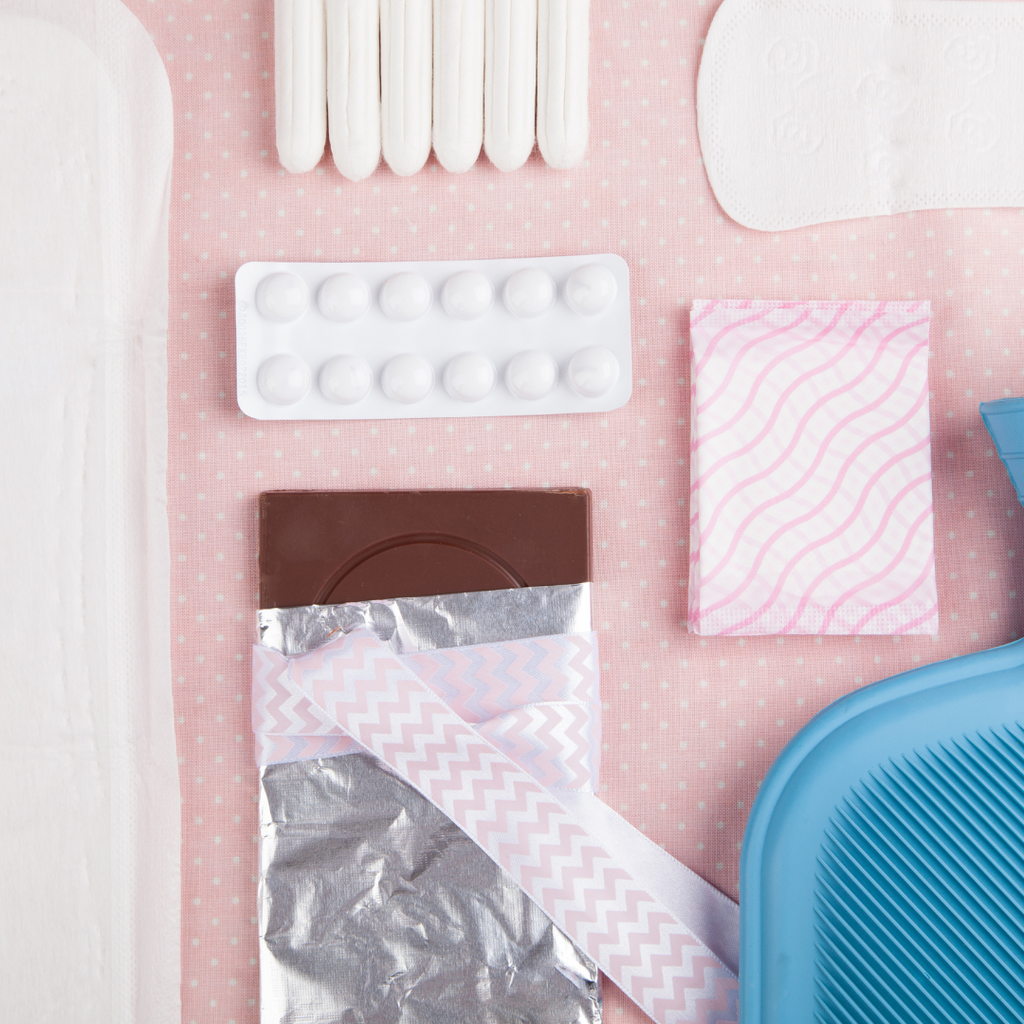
x,y
810,468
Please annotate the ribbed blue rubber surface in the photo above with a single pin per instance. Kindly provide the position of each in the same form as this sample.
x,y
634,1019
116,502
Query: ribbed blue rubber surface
x,y
919,901
882,877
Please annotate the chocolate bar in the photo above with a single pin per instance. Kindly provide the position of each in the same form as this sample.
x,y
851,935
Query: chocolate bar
x,y
331,547
374,906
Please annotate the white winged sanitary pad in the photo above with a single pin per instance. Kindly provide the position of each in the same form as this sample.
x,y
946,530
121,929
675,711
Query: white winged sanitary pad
x,y
822,110
89,888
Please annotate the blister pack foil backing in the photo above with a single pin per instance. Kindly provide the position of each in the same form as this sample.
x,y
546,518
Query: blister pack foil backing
x,y
374,908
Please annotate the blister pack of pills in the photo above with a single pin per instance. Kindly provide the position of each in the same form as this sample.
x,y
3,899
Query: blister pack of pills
x,y
522,337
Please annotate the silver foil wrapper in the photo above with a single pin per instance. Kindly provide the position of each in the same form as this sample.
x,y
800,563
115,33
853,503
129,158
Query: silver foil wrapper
x,y
433,623
374,908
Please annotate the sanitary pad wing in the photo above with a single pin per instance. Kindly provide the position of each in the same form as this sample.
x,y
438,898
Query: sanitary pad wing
x,y
822,110
810,468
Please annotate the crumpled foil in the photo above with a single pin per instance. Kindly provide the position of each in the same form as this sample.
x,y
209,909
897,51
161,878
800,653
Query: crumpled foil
x,y
374,908
433,623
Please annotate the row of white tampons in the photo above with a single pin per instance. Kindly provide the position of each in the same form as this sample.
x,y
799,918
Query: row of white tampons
x,y
400,76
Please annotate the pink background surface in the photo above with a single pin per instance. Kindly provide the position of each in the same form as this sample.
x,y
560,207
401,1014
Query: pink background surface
x,y
691,724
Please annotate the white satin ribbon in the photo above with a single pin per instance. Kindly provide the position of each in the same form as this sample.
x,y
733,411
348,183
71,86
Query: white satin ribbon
x,y
670,941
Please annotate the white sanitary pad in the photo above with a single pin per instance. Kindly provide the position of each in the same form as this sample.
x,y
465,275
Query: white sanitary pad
x,y
820,110
89,887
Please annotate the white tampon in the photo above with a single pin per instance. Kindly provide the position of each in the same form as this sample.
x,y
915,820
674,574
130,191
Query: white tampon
x,y
300,83
353,85
458,82
563,45
510,81
405,83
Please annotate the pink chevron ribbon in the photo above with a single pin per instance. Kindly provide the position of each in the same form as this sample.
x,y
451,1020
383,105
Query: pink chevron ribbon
x,y
536,700
384,703
810,468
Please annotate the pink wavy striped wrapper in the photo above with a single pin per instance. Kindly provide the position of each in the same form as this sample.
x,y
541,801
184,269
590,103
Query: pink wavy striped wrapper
x,y
810,468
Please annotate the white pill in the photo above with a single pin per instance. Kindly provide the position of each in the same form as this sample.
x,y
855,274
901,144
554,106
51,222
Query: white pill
x,y
469,377
405,296
346,379
529,292
590,289
344,297
467,295
531,374
282,297
407,378
592,372
283,379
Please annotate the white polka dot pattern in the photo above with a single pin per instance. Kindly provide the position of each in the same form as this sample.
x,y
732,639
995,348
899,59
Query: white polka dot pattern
x,y
691,724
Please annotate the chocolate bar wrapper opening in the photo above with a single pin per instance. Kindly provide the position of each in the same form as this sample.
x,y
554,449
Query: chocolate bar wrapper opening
x,y
374,908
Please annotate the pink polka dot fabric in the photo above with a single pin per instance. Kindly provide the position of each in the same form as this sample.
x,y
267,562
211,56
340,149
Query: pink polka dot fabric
x,y
691,723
